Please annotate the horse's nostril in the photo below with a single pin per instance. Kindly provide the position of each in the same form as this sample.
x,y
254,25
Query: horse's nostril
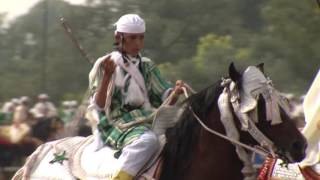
x,y
298,150
297,145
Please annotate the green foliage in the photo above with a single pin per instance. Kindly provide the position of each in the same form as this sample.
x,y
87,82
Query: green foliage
x,y
214,55
289,42
191,40
213,48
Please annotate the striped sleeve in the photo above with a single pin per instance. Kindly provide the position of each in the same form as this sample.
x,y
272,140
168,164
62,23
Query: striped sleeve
x,y
157,84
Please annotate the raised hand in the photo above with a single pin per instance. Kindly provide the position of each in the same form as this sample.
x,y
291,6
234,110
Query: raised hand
x,y
109,66
178,88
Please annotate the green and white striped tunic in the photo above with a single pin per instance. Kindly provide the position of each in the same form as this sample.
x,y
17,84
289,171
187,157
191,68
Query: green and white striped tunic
x,y
114,136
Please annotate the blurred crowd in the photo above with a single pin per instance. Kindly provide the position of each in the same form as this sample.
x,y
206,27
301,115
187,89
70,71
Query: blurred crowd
x,y
296,108
20,112
26,123
18,115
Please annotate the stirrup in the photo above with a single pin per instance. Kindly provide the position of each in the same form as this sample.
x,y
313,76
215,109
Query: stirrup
x,y
122,175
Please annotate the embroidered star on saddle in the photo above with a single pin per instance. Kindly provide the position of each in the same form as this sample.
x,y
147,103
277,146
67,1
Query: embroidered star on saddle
x,y
83,161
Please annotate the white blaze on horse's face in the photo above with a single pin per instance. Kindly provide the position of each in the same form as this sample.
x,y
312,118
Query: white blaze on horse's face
x,y
254,84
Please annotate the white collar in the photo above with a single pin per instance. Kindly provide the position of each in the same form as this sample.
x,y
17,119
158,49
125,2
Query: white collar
x,y
133,59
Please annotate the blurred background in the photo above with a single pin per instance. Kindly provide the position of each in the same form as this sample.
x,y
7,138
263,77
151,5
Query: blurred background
x,y
192,40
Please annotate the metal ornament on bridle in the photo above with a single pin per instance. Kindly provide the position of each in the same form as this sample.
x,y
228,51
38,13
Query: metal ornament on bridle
x,y
244,103
254,84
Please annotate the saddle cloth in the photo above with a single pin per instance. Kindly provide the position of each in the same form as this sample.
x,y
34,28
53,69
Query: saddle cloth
x,y
81,161
84,161
102,164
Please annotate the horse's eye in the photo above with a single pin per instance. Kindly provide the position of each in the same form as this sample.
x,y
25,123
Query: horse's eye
x,y
284,102
284,99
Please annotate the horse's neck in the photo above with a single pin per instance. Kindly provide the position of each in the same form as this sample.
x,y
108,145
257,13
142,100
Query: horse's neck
x,y
216,157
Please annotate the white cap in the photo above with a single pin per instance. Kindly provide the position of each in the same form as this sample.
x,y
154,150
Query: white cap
x,y
25,99
130,23
65,103
73,103
43,96
15,101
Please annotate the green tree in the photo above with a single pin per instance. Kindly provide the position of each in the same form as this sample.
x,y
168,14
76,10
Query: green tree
x,y
191,40
214,55
289,42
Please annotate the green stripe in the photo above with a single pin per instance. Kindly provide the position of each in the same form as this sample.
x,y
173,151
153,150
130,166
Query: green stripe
x,y
118,138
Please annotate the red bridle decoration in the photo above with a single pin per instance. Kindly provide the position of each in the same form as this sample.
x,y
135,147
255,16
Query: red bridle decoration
x,y
267,168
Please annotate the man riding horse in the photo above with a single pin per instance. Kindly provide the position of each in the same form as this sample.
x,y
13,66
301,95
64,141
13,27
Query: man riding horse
x,y
127,87
20,128
44,109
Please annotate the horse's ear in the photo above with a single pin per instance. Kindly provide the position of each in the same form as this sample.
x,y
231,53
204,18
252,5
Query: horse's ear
x,y
260,66
233,73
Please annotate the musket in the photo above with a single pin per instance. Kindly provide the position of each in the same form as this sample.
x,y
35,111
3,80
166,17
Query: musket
x,y
69,32
72,128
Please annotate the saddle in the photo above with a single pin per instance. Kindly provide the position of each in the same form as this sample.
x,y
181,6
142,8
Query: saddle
x,y
101,164
77,157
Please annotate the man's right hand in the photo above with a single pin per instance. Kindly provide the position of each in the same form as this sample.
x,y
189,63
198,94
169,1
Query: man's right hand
x,y
109,66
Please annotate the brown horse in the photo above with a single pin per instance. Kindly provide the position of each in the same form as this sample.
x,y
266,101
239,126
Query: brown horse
x,y
192,153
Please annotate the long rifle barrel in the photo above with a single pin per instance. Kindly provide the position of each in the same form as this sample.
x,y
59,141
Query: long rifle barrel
x,y
69,32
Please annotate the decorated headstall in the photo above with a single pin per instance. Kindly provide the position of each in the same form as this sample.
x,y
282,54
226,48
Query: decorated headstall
x,y
243,92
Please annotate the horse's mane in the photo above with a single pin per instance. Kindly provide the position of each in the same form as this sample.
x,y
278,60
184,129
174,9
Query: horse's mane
x,y
181,138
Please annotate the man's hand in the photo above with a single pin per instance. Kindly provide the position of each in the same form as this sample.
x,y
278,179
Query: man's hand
x,y
178,88
176,92
109,66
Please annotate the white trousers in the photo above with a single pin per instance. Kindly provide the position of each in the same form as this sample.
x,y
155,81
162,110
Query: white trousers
x,y
135,155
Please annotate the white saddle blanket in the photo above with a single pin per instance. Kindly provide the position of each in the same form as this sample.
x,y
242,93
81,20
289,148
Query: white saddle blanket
x,y
82,162
92,164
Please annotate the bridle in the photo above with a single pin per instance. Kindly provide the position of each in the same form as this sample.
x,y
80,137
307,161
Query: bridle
x,y
253,130
230,95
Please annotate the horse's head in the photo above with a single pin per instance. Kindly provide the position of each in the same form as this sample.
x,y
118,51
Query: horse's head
x,y
257,104
220,122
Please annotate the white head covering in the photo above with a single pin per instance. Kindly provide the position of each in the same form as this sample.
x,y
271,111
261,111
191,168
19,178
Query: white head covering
x,y
252,80
25,99
43,96
130,23
254,83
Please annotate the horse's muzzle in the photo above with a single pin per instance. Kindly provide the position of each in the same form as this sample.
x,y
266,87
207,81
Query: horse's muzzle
x,y
298,150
